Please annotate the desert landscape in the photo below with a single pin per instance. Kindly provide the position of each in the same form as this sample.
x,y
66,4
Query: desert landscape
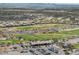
x,y
39,29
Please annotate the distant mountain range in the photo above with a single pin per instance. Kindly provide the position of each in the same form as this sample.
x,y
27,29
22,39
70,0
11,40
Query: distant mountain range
x,y
39,5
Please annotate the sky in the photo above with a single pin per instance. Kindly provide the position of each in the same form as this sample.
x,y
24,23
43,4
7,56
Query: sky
x,y
39,1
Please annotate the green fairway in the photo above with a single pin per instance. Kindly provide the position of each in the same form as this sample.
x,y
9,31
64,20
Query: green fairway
x,y
71,32
39,26
28,37
76,46
11,41
40,36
